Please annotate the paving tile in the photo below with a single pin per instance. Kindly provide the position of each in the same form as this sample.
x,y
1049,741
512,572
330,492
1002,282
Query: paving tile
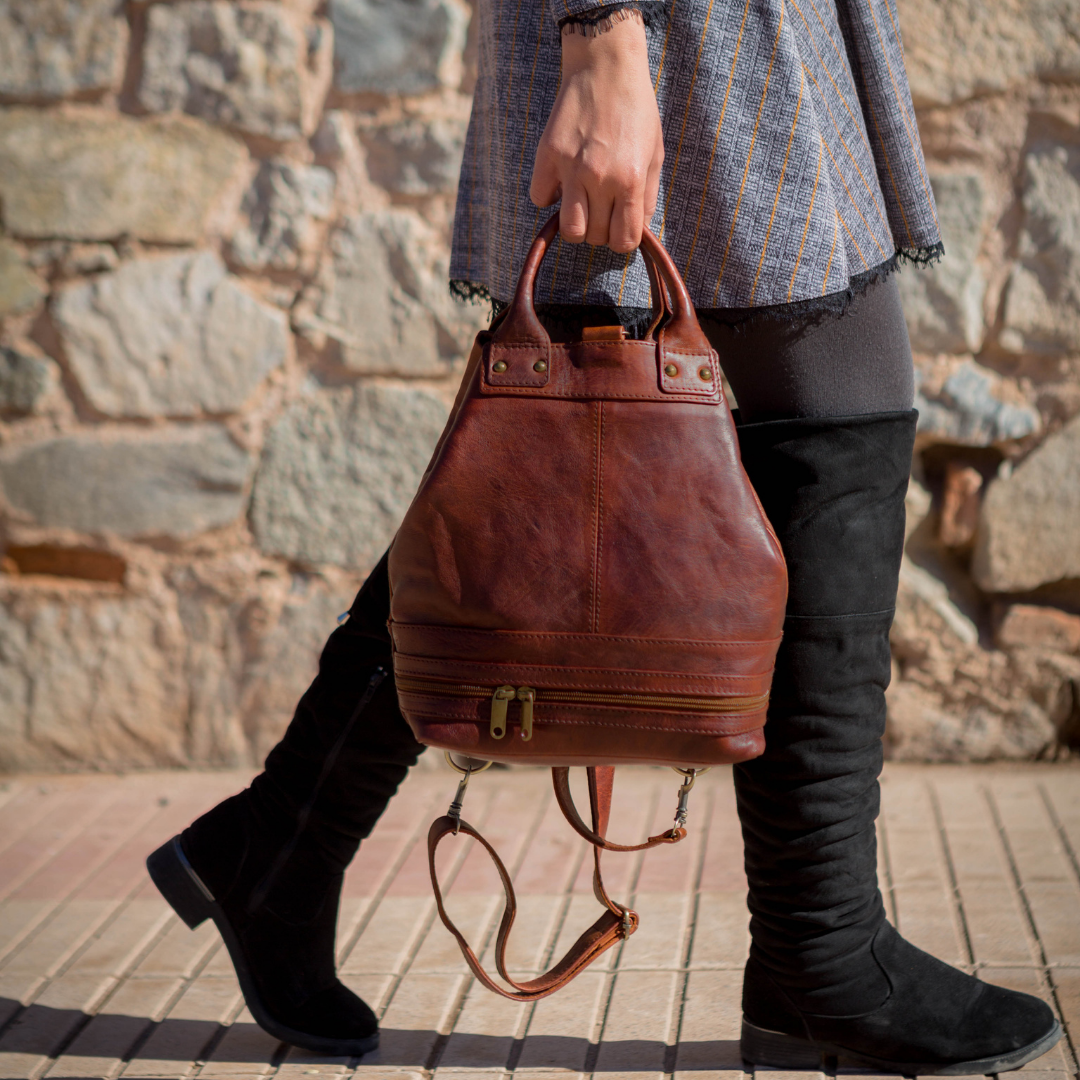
x,y
179,1040
722,864
529,947
390,936
484,1031
710,1024
1066,983
659,941
19,919
474,916
100,1048
638,1023
996,925
561,1026
421,1010
721,935
244,1050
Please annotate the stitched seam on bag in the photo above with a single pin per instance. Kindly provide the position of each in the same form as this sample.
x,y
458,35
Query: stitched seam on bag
x,y
401,661
670,398
682,729
630,688
573,635
599,524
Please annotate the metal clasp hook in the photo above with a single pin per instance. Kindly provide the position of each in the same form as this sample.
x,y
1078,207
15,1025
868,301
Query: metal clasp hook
x,y
459,798
689,778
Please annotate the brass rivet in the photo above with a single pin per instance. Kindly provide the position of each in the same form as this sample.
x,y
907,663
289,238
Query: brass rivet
x,y
499,367
540,365
705,374
671,370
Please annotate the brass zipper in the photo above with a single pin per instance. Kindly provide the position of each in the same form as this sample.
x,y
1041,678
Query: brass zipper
x,y
501,696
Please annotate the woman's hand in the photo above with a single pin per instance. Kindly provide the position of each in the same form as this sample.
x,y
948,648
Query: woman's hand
x,y
603,147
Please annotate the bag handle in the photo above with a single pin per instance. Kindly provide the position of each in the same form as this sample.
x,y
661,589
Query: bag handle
x,y
615,924
680,334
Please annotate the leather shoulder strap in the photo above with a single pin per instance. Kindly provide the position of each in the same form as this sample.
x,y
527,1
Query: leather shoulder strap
x,y
616,923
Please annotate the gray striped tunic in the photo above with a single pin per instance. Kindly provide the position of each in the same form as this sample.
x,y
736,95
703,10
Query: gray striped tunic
x,y
792,163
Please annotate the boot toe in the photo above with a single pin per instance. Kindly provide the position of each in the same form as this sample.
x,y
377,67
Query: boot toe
x,y
336,1013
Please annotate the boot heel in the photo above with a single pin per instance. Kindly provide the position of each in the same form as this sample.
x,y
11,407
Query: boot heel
x,y
763,1047
185,892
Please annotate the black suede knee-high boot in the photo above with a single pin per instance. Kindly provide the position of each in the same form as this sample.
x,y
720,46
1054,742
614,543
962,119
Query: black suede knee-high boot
x,y
267,864
827,974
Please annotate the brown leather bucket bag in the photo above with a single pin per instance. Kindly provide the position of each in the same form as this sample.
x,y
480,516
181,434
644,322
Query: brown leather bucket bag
x,y
585,576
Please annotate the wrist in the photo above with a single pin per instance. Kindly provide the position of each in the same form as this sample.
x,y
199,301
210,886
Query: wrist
x,y
621,43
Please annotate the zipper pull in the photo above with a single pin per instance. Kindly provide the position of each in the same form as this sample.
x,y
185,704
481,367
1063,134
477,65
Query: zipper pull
x,y
499,700
526,695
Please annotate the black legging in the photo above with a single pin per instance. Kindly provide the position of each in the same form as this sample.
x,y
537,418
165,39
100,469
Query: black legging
x,y
826,364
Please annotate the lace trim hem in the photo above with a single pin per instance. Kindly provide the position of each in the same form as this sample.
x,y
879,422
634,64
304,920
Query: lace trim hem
x,y
637,319
600,20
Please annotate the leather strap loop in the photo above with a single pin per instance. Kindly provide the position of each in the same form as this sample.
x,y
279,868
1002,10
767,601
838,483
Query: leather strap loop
x,y
616,923
600,776
681,333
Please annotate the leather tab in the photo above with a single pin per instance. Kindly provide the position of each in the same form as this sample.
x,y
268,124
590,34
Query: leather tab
x,y
688,373
516,364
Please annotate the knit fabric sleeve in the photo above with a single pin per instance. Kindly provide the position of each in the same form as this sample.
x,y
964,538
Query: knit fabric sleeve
x,y
589,18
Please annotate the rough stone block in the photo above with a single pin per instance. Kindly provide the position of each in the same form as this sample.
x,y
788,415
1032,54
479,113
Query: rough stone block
x,y
1026,626
958,49
1042,301
55,48
25,379
87,175
257,68
172,336
1029,530
282,211
89,678
179,482
339,470
398,46
944,303
383,298
416,156
20,288
972,408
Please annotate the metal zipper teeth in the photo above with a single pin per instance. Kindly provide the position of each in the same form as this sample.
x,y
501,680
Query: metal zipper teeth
x,y
584,697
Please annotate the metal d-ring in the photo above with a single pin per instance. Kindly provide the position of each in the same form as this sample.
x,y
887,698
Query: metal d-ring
x,y
466,772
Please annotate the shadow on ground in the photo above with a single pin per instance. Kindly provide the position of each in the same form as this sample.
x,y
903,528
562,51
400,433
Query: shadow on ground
x,y
40,1030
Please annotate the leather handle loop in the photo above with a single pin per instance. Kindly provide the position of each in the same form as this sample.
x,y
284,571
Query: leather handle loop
x,y
681,333
613,925
600,776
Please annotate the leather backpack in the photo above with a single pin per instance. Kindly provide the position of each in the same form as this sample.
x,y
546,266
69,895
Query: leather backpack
x,y
586,576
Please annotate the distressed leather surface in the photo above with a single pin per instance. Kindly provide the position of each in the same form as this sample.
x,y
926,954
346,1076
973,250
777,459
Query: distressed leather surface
x,y
589,525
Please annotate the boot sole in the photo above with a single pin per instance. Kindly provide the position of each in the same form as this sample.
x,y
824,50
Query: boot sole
x,y
773,1048
186,894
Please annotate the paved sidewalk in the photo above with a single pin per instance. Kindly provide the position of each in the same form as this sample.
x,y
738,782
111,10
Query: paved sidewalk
x,y
99,979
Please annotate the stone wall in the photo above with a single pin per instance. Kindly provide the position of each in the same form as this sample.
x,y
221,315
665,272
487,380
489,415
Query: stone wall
x,y
227,348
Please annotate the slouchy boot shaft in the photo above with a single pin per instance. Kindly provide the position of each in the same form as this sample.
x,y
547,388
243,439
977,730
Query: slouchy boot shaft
x,y
834,491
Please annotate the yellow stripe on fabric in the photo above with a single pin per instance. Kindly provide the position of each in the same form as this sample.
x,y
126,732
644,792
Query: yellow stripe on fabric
x,y
588,271
663,51
851,199
832,118
686,117
622,284
851,237
832,252
809,212
525,135
716,138
502,148
843,58
779,187
555,270
749,155
888,169
903,112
